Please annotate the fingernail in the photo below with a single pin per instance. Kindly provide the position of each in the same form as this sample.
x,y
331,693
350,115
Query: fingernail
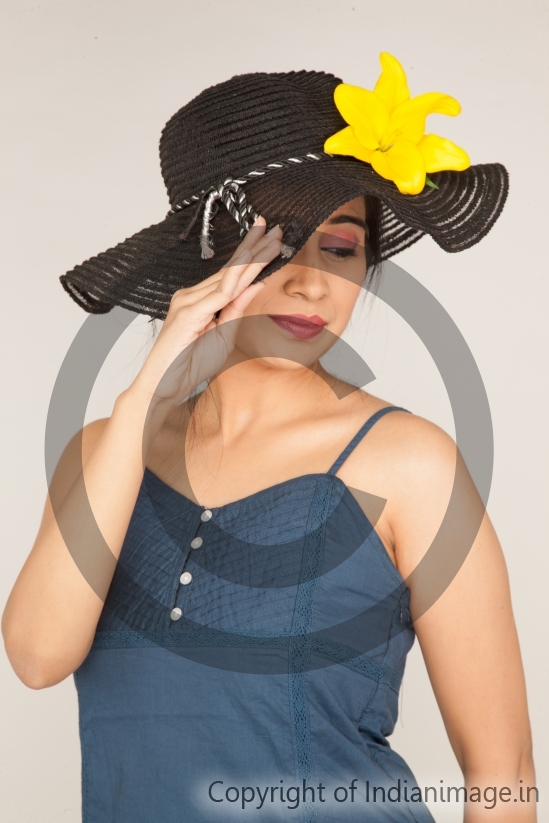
x,y
257,220
274,228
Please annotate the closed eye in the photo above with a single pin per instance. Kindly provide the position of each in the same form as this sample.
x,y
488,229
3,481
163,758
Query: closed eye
x,y
341,251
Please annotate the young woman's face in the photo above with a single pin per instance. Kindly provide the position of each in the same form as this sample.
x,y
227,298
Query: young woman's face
x,y
305,306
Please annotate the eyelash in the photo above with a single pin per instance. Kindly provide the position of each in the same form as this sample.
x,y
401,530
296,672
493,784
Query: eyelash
x,y
341,252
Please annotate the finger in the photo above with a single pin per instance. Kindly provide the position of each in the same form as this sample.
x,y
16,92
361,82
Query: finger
x,y
275,234
231,316
254,246
265,256
233,283
214,278
230,275
238,306
255,233
203,310
187,297
258,243
256,239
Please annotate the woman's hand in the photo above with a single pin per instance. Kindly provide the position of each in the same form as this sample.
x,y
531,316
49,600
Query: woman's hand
x,y
200,328
52,612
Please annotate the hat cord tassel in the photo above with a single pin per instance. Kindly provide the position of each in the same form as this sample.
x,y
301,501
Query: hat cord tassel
x,y
233,197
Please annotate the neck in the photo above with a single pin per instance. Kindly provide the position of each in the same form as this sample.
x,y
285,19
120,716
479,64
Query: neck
x,y
255,394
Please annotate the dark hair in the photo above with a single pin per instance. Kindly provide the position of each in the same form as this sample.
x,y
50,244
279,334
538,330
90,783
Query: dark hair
x,y
373,245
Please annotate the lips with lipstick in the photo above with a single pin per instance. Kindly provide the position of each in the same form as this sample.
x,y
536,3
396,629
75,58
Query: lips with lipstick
x,y
300,325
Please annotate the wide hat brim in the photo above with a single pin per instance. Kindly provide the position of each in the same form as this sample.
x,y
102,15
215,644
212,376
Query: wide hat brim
x,y
143,272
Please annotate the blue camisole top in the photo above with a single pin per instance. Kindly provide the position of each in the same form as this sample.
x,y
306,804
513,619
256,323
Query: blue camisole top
x,y
247,663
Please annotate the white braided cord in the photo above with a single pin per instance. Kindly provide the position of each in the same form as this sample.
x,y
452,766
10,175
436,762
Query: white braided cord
x,y
252,175
233,197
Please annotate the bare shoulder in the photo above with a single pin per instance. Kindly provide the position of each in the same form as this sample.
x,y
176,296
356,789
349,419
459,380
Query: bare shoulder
x,y
410,459
413,444
418,460
411,464
78,449
70,464
91,434
403,442
75,454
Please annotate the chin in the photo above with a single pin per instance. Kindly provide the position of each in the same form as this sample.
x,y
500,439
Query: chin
x,y
284,364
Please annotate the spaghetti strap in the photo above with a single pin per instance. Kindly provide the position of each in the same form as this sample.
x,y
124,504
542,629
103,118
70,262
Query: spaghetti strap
x,y
365,428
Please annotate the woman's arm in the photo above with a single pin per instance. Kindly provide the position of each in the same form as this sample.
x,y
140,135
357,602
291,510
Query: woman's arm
x,y
51,616
468,636
52,612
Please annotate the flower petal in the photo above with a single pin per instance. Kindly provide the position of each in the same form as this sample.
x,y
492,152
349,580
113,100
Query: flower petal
x,y
408,119
381,165
402,163
346,142
440,154
364,111
392,85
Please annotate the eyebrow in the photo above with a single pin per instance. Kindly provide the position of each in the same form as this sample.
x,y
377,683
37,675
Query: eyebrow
x,y
348,218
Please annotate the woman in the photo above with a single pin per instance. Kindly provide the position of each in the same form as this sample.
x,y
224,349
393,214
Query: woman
x,y
207,565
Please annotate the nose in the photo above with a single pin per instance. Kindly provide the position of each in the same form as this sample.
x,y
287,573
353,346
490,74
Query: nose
x,y
304,280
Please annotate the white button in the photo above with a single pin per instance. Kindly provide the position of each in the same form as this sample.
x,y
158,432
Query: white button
x,y
206,515
196,543
175,614
185,578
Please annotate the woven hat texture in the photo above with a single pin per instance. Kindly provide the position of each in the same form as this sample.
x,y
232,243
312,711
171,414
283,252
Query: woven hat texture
x,y
245,124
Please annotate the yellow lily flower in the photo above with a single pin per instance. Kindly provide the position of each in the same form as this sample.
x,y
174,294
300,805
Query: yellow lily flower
x,y
387,129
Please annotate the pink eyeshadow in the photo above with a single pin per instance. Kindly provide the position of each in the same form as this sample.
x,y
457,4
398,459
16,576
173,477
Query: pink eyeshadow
x,y
347,238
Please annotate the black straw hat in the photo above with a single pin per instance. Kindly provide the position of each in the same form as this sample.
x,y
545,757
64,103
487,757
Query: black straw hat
x,y
255,145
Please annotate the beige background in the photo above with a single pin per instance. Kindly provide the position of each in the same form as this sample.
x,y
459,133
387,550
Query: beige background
x,y
86,89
